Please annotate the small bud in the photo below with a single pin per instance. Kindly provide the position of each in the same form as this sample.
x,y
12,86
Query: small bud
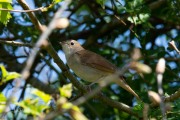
x,y
154,97
136,54
173,45
140,67
62,23
160,68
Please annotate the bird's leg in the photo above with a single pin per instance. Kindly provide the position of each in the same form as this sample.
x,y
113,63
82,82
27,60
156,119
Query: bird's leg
x,y
89,87
91,84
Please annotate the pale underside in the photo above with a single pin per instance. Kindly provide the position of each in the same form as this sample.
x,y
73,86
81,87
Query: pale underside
x,y
90,66
93,68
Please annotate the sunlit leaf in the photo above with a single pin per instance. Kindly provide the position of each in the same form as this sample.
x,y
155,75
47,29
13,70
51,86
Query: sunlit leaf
x,y
138,107
7,1
5,76
141,18
2,102
101,2
45,97
57,1
5,15
3,71
31,106
12,75
77,114
66,90
67,105
74,111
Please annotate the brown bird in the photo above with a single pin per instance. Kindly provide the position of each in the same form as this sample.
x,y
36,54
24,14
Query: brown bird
x,y
90,66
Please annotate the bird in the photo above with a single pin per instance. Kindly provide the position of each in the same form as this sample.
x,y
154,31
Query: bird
x,y
90,66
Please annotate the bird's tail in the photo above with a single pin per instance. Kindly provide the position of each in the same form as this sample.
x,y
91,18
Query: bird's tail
x,y
122,83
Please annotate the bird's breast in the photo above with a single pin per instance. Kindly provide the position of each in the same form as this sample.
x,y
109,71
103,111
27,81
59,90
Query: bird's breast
x,y
85,72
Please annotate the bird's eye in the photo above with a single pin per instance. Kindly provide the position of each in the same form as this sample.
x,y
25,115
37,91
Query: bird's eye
x,y
72,43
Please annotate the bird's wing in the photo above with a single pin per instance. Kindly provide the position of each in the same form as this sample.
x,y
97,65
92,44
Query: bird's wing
x,y
96,61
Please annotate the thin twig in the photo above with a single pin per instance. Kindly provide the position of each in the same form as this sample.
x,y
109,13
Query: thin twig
x,y
173,97
42,39
32,16
15,43
26,11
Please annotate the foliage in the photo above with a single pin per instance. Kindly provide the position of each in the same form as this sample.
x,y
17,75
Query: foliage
x,y
5,15
2,102
6,76
110,28
39,105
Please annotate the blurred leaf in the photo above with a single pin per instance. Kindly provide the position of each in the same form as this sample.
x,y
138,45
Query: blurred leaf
x,y
67,105
4,72
2,102
7,76
141,18
45,97
57,1
101,2
7,1
77,114
74,111
66,90
138,107
32,107
12,75
5,15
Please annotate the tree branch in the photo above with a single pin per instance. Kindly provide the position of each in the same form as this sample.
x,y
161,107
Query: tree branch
x,y
75,82
173,97
34,10
170,98
32,16
15,43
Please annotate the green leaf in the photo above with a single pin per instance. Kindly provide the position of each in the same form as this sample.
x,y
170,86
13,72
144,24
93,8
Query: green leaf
x,y
7,1
141,18
5,15
45,97
11,76
3,72
101,2
2,102
138,107
66,90
77,114
56,1
7,76
32,107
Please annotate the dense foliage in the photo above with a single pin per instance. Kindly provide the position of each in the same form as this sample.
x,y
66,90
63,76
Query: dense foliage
x,y
111,28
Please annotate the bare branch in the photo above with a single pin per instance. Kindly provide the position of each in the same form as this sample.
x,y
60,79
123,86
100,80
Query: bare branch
x,y
31,15
173,97
170,98
34,10
15,43
42,39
